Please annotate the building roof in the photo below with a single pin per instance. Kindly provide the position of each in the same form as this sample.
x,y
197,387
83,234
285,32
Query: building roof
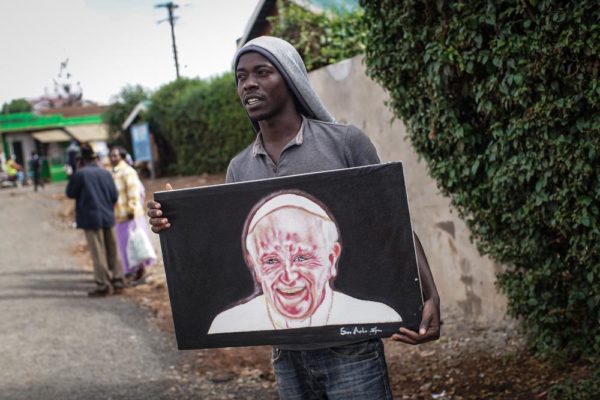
x,y
258,24
258,21
74,111
52,136
141,106
56,127
33,122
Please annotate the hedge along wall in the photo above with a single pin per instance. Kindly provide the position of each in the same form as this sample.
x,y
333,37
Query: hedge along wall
x,y
502,100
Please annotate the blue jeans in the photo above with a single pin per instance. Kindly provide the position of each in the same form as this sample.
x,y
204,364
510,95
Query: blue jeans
x,y
355,371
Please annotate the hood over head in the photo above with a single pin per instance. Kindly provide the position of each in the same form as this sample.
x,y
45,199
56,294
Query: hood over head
x,y
288,62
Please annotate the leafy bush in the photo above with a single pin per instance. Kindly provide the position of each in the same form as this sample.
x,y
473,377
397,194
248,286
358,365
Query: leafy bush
x,y
320,38
587,388
121,106
163,123
198,125
502,100
211,127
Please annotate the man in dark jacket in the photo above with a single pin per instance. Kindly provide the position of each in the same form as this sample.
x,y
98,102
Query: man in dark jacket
x,y
95,195
35,165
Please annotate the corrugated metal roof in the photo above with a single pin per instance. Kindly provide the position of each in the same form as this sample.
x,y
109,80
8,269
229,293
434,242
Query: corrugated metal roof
x,y
141,106
51,136
89,133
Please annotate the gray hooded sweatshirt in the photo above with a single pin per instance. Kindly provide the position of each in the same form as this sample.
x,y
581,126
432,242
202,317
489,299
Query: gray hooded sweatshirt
x,y
288,62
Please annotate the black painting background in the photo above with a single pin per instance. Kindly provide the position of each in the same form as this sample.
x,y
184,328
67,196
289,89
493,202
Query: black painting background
x,y
206,272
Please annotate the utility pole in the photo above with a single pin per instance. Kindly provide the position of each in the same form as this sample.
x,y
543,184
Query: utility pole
x,y
170,6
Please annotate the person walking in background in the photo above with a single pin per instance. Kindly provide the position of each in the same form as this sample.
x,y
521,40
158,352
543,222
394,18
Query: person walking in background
x,y
36,167
129,212
95,195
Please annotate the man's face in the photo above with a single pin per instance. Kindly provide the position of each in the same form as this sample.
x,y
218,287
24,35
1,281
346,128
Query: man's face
x,y
261,87
115,157
293,261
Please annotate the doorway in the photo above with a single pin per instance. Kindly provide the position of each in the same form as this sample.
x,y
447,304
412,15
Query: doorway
x,y
18,152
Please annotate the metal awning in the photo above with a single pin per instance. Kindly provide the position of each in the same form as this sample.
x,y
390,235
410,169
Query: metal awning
x,y
141,106
83,133
51,136
88,133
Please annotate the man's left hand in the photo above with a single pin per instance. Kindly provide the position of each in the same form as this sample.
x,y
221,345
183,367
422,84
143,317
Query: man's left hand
x,y
429,329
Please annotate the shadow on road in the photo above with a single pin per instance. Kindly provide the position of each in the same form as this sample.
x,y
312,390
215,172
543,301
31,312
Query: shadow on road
x,y
32,272
53,283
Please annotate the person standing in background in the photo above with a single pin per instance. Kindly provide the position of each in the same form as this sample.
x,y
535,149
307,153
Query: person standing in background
x,y
36,167
95,195
129,211
15,171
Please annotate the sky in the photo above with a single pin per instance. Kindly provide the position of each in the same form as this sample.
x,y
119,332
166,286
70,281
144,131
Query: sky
x,y
113,43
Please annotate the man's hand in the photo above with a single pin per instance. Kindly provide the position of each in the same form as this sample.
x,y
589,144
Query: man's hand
x,y
429,329
430,318
157,221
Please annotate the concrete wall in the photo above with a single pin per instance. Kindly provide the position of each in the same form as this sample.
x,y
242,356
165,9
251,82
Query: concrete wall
x,y
465,279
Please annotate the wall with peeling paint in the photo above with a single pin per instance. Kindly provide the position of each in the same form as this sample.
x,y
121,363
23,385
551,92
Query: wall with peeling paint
x,y
464,278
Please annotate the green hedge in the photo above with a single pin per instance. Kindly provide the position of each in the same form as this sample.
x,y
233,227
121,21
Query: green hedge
x,y
198,125
122,105
163,122
502,99
210,126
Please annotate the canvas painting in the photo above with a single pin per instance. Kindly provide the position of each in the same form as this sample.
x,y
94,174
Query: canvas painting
x,y
322,257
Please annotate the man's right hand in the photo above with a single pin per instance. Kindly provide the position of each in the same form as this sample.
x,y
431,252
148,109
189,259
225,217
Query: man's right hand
x,y
157,221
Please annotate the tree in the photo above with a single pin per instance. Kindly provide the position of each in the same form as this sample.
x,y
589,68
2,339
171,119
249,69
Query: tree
x,y
121,106
163,123
16,106
212,126
502,100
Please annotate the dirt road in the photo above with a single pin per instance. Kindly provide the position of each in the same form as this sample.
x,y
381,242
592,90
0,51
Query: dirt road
x,y
55,342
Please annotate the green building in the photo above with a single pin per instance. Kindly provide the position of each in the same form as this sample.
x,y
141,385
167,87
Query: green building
x,y
50,135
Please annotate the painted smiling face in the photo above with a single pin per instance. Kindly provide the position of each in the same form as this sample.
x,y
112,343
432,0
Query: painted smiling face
x,y
294,254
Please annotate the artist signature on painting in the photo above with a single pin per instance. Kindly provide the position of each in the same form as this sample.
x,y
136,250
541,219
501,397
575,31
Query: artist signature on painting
x,y
344,331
